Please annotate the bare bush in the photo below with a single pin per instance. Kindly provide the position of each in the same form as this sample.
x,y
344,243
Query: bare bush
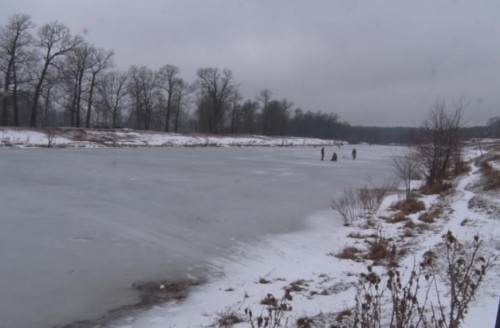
x,y
440,146
409,206
407,167
410,303
274,315
361,202
369,292
491,176
348,206
50,137
371,197
227,319
466,268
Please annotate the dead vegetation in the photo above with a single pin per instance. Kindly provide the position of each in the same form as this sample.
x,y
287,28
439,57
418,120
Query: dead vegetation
x,y
349,253
491,176
356,204
438,187
227,319
409,206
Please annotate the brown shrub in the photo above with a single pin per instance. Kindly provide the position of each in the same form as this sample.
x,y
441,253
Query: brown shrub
x,y
409,206
409,224
380,250
228,319
358,235
305,322
349,253
436,188
462,168
343,314
491,176
427,217
269,300
264,281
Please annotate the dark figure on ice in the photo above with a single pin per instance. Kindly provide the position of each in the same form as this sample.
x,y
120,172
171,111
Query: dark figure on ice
x,y
322,153
334,157
354,153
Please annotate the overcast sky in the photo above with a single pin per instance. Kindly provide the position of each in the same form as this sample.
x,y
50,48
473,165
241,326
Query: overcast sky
x,y
374,62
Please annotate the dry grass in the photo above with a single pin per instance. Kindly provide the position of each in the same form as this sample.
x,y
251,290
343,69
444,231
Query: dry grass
x,y
228,319
462,168
349,253
264,281
342,315
358,235
296,286
428,217
438,187
305,322
490,175
409,206
380,251
269,300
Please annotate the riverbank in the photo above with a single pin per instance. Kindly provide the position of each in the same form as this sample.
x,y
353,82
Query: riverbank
x,y
306,276
99,138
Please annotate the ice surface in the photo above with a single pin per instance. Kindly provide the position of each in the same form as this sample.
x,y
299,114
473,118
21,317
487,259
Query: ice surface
x,y
79,226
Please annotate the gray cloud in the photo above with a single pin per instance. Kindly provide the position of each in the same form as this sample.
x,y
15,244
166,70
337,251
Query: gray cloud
x,y
373,62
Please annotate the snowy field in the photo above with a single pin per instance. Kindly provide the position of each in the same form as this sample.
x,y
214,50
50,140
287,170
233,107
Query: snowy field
x,y
79,226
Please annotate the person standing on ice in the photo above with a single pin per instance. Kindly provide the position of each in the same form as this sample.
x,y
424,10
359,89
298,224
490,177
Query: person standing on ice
x,y
354,153
322,153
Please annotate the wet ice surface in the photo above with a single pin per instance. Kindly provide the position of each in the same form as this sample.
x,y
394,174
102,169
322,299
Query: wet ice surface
x,y
79,226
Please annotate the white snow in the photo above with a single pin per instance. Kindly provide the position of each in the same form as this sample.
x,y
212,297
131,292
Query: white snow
x,y
253,268
68,137
328,281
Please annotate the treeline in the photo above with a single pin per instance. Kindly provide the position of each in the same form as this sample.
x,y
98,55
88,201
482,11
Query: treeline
x,y
49,77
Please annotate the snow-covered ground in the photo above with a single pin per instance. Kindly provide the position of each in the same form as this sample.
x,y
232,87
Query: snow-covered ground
x,y
68,137
324,284
79,225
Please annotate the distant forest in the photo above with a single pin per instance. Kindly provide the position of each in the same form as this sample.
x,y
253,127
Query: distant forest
x,y
49,77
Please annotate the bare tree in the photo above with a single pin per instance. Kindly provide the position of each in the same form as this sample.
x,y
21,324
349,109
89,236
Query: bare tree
x,y
264,98
440,141
111,96
75,70
249,114
15,40
168,79
275,117
216,88
494,126
99,61
235,110
181,93
54,40
47,97
143,89
406,166
285,114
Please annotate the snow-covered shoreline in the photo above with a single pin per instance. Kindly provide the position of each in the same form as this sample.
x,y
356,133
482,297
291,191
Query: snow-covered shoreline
x,y
98,138
303,261
323,284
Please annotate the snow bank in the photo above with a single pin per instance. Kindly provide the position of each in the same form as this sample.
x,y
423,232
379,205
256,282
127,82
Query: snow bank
x,y
129,138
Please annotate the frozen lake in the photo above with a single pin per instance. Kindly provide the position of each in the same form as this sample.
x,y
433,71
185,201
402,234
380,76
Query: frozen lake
x,y
79,226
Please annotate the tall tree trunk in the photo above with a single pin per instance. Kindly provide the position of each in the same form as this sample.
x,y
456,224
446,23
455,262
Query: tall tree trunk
x,y
36,96
89,106
167,117
5,109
